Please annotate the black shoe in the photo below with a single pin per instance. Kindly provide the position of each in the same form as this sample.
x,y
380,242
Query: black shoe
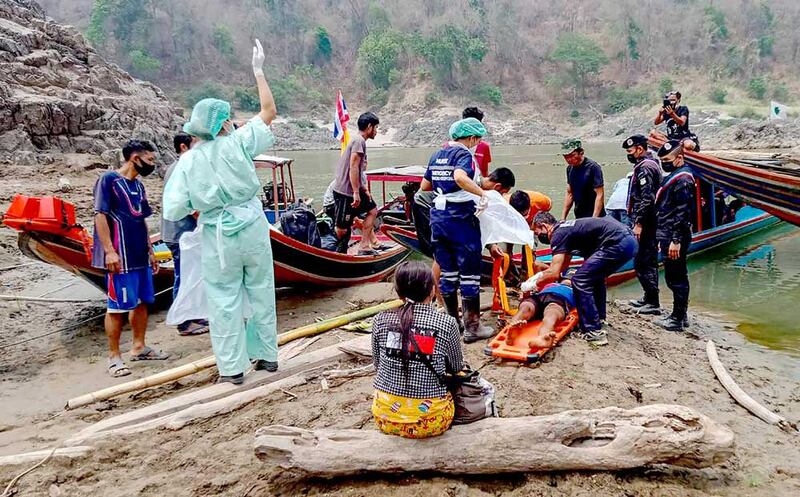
x,y
637,303
670,323
649,310
236,379
262,365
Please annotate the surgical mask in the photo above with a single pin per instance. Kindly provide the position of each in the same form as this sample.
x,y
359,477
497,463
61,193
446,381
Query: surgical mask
x,y
144,168
543,238
668,165
632,159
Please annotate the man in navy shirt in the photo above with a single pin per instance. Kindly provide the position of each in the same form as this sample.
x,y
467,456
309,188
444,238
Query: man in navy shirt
x,y
122,247
605,245
585,187
455,230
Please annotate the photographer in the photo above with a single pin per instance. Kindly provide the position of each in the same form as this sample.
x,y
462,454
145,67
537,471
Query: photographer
x,y
677,118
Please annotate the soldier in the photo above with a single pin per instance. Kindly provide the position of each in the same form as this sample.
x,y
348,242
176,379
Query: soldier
x,y
675,206
642,214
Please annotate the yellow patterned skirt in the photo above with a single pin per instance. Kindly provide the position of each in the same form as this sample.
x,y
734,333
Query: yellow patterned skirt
x,y
412,418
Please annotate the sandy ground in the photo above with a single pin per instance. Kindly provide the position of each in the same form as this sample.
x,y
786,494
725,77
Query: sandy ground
x,y
216,457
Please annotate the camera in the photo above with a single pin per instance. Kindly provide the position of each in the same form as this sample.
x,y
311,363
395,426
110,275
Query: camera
x,y
667,103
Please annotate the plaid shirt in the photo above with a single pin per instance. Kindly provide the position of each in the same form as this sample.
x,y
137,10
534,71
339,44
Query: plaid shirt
x,y
436,333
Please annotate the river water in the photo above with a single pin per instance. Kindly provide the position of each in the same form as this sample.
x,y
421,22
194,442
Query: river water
x,y
754,281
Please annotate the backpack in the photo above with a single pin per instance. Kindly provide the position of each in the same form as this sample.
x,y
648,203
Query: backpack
x,y
299,222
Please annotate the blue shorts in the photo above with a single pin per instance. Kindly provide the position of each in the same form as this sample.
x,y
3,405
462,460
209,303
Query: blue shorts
x,y
127,290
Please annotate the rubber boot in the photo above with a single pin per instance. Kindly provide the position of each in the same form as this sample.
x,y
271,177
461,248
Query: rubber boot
x,y
671,323
474,330
451,304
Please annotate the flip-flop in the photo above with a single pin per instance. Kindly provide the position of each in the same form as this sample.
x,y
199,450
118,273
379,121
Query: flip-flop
x,y
368,252
117,368
195,328
148,354
381,247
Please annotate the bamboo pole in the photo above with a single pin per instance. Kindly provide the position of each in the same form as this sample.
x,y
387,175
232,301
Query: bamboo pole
x,y
43,300
207,362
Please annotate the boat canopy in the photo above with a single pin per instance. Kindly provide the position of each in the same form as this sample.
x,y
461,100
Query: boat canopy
x,y
413,174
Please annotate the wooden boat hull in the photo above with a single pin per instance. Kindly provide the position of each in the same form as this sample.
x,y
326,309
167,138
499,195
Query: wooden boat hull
x,y
748,220
772,191
296,264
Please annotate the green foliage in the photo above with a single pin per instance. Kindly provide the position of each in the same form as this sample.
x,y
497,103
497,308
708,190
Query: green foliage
x,y
621,99
716,24
665,85
780,92
223,41
378,98
488,93
143,64
305,124
204,90
247,98
757,88
574,114
765,45
718,94
748,113
378,56
581,56
449,49
323,46
96,31
634,32
432,98
298,90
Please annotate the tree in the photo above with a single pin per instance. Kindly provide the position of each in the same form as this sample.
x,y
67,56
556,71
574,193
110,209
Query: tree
x,y
323,49
144,65
378,55
223,41
582,58
448,48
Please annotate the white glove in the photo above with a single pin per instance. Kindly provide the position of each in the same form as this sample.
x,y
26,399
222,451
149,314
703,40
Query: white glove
x,y
532,283
483,203
258,59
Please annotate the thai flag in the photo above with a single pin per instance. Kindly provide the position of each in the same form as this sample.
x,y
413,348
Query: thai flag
x,y
340,120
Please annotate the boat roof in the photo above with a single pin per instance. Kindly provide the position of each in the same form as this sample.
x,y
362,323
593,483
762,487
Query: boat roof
x,y
397,173
271,161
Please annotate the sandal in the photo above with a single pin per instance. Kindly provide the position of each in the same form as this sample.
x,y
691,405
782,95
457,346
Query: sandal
x,y
148,354
193,328
367,252
381,247
117,368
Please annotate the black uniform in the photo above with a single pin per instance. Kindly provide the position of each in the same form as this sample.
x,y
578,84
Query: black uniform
x,y
583,180
605,244
644,184
675,203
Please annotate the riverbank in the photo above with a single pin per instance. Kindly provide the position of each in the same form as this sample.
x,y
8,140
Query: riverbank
x,y
641,365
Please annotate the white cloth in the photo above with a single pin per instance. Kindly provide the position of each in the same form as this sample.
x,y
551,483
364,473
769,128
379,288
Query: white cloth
x,y
190,304
500,223
619,197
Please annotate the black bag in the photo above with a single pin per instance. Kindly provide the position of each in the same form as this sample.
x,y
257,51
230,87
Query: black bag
x,y
473,396
300,223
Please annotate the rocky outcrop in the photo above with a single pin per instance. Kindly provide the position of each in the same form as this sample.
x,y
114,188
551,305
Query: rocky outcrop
x,y
57,95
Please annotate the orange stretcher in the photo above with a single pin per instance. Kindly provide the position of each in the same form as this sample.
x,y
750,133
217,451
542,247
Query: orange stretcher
x,y
518,349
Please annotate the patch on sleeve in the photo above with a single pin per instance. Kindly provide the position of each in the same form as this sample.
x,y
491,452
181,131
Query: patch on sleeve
x,y
643,181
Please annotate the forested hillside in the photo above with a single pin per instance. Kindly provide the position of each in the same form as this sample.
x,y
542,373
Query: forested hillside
x,y
564,55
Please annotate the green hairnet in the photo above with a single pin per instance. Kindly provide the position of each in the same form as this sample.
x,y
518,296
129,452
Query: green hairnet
x,y
207,118
466,128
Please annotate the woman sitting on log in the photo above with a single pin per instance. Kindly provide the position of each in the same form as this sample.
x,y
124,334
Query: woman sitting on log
x,y
413,348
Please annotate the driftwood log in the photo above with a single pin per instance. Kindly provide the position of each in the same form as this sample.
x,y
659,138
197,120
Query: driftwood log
x,y
600,439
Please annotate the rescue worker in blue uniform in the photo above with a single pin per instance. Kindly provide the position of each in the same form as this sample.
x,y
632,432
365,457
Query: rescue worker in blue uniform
x,y
455,230
605,245
642,212
675,210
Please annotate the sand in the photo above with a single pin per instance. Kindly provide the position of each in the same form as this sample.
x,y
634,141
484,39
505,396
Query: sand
x,y
215,457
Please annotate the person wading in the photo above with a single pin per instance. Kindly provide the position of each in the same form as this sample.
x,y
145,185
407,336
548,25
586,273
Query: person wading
x,y
217,178
642,213
455,230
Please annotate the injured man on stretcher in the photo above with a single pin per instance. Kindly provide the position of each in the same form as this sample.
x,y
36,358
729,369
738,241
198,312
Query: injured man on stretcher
x,y
552,304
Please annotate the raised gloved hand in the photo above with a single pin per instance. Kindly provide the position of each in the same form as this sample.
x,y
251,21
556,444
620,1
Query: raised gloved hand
x,y
483,203
258,59
532,283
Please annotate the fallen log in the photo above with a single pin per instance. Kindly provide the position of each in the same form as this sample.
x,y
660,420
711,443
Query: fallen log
x,y
600,439
207,362
740,395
